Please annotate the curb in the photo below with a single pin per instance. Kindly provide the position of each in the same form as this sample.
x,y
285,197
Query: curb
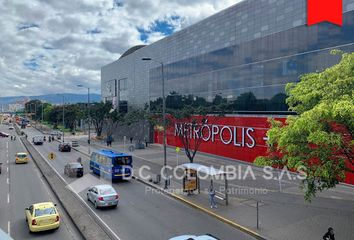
x,y
77,150
212,214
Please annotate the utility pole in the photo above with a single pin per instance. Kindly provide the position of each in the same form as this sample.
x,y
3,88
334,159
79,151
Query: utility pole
x,y
63,118
163,118
88,118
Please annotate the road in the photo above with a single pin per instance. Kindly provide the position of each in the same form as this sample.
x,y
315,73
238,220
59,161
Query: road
x,y
20,186
141,214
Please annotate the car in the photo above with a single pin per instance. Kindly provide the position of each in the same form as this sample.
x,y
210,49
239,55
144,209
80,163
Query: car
x,y
103,196
64,147
38,140
74,169
194,237
21,157
3,134
42,216
55,133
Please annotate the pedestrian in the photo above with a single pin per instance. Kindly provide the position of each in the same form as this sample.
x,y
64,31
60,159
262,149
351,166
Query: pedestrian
x,y
131,139
11,137
212,197
329,234
26,136
109,141
14,138
79,160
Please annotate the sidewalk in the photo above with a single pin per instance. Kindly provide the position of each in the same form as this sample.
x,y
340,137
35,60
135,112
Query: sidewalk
x,y
282,214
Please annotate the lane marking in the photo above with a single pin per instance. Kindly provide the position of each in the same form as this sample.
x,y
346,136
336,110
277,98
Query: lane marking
x,y
9,228
7,168
8,181
8,198
79,197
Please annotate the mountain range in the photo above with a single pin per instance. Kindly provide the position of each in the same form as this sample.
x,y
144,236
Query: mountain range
x,y
52,98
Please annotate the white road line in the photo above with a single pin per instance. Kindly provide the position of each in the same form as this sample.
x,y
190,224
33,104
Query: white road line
x,y
8,198
7,168
9,228
79,197
8,181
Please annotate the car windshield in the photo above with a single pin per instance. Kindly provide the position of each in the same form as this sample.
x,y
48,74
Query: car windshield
x,y
44,211
107,191
21,155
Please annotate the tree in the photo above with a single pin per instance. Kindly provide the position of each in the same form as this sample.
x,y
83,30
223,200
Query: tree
x,y
33,108
98,114
73,113
188,114
189,124
320,138
114,118
54,115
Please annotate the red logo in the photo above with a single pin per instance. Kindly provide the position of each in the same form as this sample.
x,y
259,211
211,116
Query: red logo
x,y
324,10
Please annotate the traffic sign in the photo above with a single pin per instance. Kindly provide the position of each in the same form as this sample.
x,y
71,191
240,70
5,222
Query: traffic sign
x,y
51,156
178,149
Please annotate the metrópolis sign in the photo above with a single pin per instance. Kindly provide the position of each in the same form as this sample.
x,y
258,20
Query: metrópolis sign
x,y
237,136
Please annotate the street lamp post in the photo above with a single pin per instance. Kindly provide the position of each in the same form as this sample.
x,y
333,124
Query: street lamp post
x,y
42,117
89,117
63,118
163,117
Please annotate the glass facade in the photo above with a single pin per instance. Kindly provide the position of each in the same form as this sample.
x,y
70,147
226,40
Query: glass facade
x,y
250,77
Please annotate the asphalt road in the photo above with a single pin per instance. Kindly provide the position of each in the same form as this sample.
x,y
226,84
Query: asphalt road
x,y
142,214
20,186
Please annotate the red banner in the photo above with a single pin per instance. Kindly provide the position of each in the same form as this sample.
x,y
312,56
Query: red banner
x,y
240,137
325,10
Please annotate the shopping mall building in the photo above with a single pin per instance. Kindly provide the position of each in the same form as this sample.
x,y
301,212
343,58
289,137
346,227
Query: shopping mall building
x,y
242,56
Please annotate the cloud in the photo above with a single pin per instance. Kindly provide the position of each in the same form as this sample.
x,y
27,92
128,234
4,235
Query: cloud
x,y
50,46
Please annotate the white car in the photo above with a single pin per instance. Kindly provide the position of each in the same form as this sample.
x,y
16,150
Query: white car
x,y
194,237
103,196
3,134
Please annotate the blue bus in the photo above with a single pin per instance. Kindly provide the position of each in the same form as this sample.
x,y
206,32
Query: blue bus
x,y
111,165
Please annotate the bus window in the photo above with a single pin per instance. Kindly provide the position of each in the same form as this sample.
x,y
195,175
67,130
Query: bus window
x,y
122,161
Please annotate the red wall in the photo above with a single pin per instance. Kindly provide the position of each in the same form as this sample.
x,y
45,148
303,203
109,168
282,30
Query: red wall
x,y
256,128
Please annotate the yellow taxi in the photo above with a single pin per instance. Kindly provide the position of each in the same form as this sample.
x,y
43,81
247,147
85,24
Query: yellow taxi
x,y
21,157
42,217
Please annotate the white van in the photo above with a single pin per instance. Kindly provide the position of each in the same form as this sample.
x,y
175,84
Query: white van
x,y
38,140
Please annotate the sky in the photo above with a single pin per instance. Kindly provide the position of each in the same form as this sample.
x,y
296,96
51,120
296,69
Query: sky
x,y
51,46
